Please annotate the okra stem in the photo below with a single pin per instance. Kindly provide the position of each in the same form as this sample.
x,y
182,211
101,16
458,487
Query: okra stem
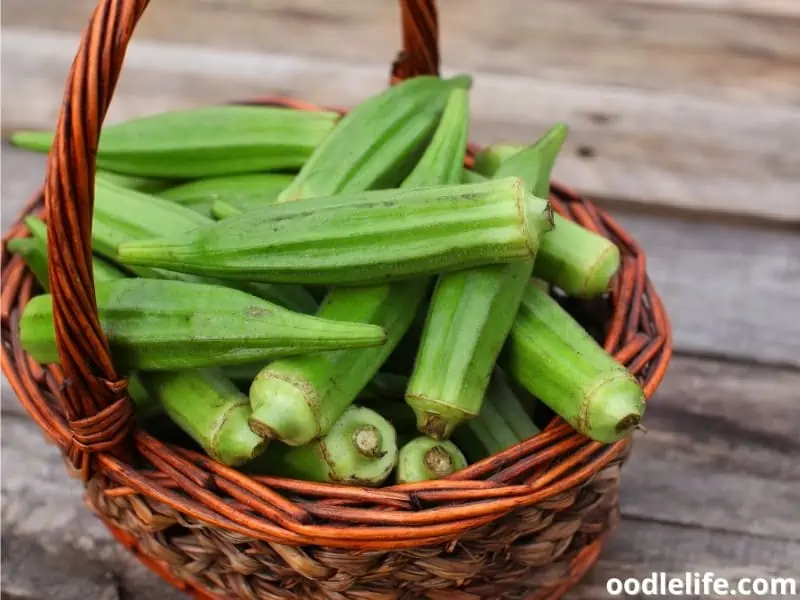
x,y
209,408
556,360
359,449
423,459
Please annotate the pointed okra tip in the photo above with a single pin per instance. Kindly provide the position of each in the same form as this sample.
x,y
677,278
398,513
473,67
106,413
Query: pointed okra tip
x,y
37,141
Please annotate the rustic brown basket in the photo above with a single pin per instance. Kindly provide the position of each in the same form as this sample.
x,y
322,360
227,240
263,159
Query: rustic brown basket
x,y
526,523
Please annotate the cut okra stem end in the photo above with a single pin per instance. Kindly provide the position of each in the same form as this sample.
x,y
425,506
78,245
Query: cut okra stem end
x,y
435,419
423,459
438,461
368,440
613,409
283,409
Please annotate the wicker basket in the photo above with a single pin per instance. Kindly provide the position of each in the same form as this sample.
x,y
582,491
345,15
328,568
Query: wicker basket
x,y
527,523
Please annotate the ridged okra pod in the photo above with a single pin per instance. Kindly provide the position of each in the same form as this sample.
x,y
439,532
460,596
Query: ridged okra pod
x,y
103,270
424,458
245,192
470,315
154,324
204,142
123,215
556,360
378,142
577,260
299,398
358,239
33,255
360,449
502,422
210,409
145,406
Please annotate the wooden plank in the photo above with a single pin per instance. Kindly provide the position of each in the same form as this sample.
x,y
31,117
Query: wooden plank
x,y
757,8
720,451
730,290
699,149
655,44
639,549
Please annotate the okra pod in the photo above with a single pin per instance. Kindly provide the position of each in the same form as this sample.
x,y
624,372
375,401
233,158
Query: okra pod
x,y
489,158
122,215
34,256
577,260
154,324
470,316
103,270
245,192
367,238
378,142
360,449
222,210
549,354
502,422
145,185
209,408
424,458
299,398
204,142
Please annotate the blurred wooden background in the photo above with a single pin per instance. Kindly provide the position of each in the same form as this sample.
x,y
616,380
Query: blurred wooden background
x,y
685,122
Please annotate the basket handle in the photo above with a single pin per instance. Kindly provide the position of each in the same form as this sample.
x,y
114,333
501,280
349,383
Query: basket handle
x,y
95,401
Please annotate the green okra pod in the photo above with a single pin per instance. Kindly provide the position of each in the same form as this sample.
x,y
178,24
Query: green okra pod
x,y
489,158
209,408
204,142
360,449
146,406
424,458
357,239
146,185
103,270
245,192
470,316
299,398
549,354
502,422
154,324
123,215
577,260
378,142
33,253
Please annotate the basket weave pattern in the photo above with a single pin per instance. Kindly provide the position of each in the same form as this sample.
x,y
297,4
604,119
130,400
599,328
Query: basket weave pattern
x,y
526,523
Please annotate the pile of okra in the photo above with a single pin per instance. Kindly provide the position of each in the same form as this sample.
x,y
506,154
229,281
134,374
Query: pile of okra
x,y
337,298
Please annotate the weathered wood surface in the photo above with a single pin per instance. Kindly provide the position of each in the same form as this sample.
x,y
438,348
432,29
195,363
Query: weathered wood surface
x,y
713,486
686,105
731,290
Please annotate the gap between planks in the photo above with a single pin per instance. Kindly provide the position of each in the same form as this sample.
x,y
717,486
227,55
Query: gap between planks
x,y
663,149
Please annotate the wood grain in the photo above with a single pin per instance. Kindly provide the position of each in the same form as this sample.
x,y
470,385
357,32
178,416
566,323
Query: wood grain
x,y
712,487
668,106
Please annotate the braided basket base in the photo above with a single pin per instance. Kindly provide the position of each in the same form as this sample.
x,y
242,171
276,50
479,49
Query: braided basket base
x,y
527,523
534,553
